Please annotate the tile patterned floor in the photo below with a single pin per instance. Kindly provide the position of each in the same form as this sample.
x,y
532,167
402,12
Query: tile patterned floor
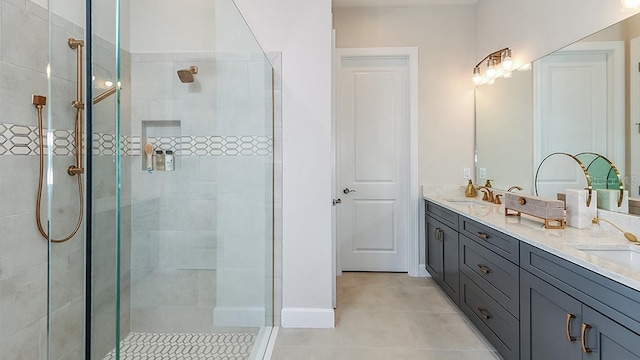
x,y
387,316
145,346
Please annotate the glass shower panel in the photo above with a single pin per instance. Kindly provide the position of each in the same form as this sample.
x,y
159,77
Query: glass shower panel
x,y
110,209
244,111
201,239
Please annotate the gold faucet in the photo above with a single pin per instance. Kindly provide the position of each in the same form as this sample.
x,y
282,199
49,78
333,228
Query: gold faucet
x,y
514,187
487,194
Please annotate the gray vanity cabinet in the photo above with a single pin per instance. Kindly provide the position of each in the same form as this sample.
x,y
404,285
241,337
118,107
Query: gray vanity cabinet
x,y
549,322
552,327
530,304
441,248
569,312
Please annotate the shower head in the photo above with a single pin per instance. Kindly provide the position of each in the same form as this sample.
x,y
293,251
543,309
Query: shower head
x,y
39,100
186,75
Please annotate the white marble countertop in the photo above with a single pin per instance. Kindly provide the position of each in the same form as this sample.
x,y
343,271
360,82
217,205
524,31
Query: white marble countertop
x,y
562,243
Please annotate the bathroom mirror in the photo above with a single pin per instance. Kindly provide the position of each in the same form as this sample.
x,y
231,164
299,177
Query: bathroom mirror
x,y
521,120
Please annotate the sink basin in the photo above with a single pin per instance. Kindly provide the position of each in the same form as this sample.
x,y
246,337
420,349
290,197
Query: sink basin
x,y
624,255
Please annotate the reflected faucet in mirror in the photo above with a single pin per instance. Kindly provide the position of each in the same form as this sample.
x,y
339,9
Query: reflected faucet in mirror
x,y
514,187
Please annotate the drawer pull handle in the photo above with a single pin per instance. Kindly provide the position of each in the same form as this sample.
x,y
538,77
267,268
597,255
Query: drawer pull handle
x,y
585,349
568,325
484,269
484,314
482,235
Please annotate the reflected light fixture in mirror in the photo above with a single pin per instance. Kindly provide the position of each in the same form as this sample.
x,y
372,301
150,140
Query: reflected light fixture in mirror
x,y
630,4
498,64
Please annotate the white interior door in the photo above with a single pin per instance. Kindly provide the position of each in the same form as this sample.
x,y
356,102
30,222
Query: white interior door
x,y
373,162
575,112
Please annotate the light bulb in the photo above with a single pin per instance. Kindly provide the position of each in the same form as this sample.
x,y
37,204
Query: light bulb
x,y
491,68
477,78
507,62
108,83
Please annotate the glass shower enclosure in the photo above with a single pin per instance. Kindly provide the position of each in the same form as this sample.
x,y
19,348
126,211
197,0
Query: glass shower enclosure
x,y
157,144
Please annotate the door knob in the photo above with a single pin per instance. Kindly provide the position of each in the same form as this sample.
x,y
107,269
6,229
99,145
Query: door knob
x,y
347,190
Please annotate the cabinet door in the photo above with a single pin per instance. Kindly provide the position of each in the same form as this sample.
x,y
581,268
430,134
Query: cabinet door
x,y
605,339
549,321
450,266
433,248
442,256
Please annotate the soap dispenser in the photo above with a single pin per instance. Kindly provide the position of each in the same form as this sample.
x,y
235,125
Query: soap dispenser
x,y
470,191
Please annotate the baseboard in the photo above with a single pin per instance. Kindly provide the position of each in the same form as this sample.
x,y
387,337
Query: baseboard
x,y
307,318
423,271
238,316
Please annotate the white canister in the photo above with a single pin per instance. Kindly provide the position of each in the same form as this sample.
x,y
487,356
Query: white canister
x,y
168,161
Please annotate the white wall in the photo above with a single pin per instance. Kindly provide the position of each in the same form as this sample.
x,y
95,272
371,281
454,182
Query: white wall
x,y
535,28
301,30
444,36
172,26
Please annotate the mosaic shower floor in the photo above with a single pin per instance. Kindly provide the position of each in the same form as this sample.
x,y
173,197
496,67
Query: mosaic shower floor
x,y
145,346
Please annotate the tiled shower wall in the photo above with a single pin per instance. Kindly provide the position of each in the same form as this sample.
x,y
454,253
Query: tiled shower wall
x,y
201,242
23,252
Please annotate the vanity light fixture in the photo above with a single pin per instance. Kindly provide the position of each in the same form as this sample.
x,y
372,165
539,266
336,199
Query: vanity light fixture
x,y
498,64
630,4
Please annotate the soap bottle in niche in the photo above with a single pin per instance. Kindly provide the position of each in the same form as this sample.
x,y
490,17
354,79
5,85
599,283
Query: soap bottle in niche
x,y
159,160
168,161
470,191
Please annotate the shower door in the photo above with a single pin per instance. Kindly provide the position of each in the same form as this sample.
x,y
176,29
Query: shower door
x,y
109,207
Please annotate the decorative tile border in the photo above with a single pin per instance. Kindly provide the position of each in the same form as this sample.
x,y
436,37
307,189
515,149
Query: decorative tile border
x,y
23,140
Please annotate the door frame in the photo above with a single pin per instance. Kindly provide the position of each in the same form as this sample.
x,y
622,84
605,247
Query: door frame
x,y
634,113
614,50
413,190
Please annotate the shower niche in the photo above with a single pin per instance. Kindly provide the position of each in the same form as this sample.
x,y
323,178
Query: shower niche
x,y
160,135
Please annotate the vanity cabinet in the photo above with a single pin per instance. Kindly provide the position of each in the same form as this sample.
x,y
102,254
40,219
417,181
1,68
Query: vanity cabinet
x,y
529,304
568,312
441,248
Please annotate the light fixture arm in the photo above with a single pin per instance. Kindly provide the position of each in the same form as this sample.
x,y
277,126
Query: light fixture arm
x,y
496,55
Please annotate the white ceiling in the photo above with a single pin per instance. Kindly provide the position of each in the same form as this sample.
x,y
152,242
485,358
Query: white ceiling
x,y
365,3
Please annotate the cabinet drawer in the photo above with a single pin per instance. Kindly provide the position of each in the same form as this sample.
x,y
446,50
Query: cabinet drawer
x,y
447,216
492,273
494,240
493,321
